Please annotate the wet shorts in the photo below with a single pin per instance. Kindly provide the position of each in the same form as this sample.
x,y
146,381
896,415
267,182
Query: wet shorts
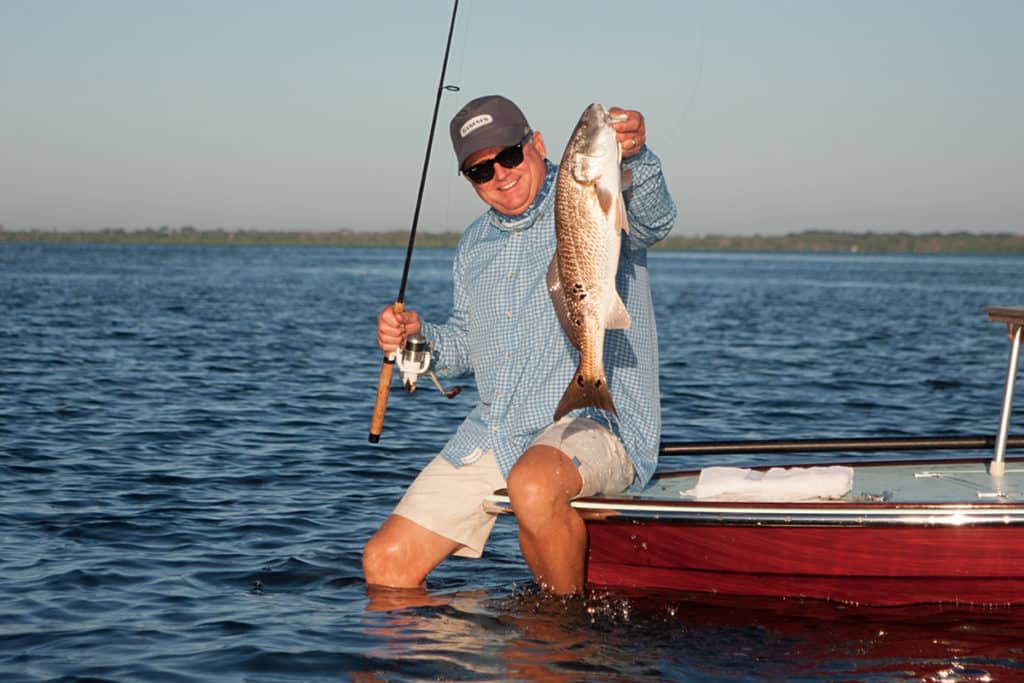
x,y
448,500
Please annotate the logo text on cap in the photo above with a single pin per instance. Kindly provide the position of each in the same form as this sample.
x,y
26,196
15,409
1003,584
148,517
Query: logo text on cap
x,y
474,123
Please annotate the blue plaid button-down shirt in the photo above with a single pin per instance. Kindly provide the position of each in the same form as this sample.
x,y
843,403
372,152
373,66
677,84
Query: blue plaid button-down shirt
x,y
503,328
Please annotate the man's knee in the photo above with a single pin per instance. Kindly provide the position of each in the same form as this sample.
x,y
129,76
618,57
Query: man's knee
x,y
402,553
531,477
387,558
542,478
378,557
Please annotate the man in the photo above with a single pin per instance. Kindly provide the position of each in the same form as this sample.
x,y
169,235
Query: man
x,y
503,329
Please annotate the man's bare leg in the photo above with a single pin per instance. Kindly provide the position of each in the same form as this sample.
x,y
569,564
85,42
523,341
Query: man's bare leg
x,y
552,535
402,553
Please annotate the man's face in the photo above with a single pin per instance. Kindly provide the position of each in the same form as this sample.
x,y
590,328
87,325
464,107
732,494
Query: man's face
x,y
512,190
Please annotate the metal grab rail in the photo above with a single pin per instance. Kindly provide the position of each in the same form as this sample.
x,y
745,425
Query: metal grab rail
x,y
1014,319
864,445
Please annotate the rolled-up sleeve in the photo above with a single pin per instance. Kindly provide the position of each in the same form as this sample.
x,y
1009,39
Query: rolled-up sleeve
x,y
649,206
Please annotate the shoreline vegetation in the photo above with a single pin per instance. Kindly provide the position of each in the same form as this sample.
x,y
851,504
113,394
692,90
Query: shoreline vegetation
x,y
823,241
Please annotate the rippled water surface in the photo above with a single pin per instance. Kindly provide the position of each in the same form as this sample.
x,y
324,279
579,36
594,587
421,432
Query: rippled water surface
x,y
187,484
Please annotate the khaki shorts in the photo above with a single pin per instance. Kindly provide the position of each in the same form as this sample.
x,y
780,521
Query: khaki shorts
x,y
448,500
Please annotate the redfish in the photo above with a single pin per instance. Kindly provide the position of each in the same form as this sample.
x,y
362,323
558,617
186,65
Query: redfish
x,y
590,219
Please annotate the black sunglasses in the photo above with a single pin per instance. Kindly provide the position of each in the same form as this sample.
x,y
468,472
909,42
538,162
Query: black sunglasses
x,y
510,157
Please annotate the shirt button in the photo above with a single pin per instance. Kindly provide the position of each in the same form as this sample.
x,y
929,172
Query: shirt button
x,y
508,314
507,355
510,274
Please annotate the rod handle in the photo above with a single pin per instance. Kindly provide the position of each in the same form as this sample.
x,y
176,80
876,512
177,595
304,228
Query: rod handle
x,y
387,369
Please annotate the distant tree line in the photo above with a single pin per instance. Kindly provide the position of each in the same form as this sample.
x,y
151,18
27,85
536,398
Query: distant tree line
x,y
806,241
190,235
852,242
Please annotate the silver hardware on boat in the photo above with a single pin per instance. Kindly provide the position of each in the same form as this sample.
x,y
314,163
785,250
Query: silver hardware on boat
x,y
1014,319
883,497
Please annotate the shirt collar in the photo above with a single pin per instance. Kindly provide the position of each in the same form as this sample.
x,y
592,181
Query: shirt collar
x,y
524,220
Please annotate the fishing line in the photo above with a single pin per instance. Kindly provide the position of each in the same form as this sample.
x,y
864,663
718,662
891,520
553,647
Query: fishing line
x,y
700,69
467,20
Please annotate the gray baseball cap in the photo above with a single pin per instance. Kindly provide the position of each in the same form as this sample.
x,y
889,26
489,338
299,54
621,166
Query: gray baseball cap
x,y
490,121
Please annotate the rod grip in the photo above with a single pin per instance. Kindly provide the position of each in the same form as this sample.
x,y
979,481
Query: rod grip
x,y
387,368
380,405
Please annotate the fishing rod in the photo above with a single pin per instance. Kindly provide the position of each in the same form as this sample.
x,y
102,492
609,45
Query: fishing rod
x,y
387,368
865,445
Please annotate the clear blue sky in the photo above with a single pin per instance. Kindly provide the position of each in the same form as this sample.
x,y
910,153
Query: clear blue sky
x,y
771,115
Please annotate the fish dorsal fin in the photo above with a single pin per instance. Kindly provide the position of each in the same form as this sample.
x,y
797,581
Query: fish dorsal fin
x,y
557,294
618,316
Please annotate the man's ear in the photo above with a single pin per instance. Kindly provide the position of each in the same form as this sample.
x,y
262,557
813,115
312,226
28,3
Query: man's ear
x,y
538,140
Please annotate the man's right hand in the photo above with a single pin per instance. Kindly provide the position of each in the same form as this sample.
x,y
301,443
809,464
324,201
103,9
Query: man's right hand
x,y
393,328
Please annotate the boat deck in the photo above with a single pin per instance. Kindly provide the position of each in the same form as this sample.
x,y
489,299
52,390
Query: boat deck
x,y
938,492
917,482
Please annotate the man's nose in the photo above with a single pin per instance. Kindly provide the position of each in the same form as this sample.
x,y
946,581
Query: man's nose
x,y
500,173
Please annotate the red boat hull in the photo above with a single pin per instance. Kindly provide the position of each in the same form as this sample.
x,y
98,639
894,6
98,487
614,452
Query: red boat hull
x,y
875,565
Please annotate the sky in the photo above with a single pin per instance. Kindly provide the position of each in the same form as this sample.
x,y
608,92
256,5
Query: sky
x,y
770,116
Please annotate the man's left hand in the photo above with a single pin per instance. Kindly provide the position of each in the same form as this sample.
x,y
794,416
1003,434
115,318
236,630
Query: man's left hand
x,y
631,133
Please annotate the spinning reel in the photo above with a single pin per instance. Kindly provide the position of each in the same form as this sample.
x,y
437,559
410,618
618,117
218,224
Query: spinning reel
x,y
413,361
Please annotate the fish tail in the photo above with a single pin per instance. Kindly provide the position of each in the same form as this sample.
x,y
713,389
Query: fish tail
x,y
583,392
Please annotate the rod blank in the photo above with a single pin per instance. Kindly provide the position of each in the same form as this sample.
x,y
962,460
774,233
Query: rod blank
x,y
388,366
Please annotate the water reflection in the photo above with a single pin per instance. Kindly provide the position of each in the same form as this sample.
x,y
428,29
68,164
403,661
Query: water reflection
x,y
615,636
384,599
820,640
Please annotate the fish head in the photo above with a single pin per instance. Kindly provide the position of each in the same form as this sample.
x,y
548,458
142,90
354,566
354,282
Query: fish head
x,y
593,152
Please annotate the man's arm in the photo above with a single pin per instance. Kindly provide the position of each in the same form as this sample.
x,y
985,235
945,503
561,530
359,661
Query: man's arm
x,y
649,206
450,341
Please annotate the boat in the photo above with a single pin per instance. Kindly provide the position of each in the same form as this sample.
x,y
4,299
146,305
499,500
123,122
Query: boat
x,y
905,531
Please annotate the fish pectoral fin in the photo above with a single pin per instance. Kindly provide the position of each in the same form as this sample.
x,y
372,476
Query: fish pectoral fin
x,y
557,293
618,317
621,220
606,199
613,206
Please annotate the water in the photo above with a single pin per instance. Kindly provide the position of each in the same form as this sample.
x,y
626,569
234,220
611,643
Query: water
x,y
187,484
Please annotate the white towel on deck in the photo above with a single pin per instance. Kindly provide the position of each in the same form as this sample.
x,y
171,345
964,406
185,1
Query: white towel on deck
x,y
779,484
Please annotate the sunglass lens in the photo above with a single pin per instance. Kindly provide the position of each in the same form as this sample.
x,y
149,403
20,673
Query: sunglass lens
x,y
510,157
481,173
